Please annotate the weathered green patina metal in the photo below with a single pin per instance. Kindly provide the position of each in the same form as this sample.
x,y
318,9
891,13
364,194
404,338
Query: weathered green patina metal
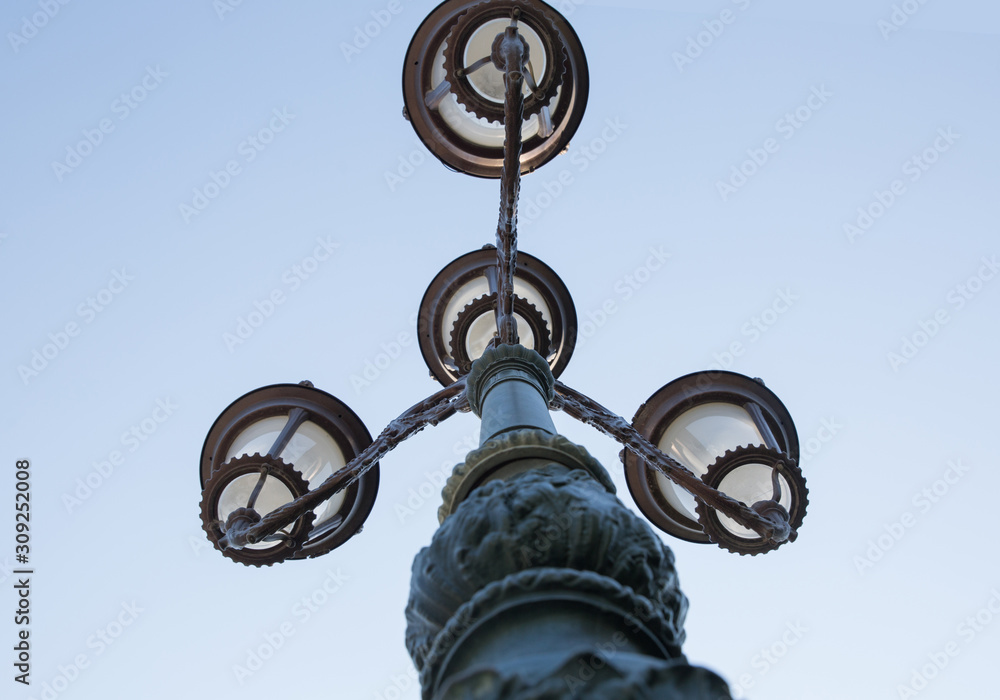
x,y
540,583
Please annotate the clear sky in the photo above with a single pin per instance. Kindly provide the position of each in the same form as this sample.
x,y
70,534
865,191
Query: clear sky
x,y
872,206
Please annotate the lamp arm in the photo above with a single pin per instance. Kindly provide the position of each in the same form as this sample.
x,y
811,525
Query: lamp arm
x,y
509,54
588,411
431,411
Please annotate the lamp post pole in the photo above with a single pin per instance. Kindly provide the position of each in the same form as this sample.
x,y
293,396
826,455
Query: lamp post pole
x,y
540,583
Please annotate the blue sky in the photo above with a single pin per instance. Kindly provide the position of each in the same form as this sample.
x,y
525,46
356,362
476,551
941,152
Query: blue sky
x,y
841,156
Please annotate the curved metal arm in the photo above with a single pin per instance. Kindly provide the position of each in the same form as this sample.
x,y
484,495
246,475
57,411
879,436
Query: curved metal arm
x,y
510,58
431,411
588,411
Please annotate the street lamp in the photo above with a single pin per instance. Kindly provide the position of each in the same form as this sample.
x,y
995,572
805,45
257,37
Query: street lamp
x,y
456,321
268,448
454,92
712,422
538,569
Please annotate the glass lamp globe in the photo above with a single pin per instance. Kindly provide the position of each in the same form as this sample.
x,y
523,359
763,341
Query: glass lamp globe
x,y
697,419
767,481
279,442
454,94
457,320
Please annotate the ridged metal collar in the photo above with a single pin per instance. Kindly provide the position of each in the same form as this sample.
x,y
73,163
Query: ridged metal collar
x,y
506,362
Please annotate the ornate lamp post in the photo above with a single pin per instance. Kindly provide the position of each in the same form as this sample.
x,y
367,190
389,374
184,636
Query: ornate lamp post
x,y
539,583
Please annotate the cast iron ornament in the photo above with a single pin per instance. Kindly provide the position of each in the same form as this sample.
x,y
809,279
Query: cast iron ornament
x,y
436,347
509,53
486,304
588,411
671,401
423,93
547,523
297,404
431,411
488,461
787,522
545,86
232,536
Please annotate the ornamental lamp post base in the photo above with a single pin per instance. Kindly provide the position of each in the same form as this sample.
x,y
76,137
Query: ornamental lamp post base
x,y
540,583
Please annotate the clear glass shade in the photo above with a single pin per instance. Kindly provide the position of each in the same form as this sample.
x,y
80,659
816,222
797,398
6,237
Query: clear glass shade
x,y
274,494
700,436
311,451
484,327
751,483
488,82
